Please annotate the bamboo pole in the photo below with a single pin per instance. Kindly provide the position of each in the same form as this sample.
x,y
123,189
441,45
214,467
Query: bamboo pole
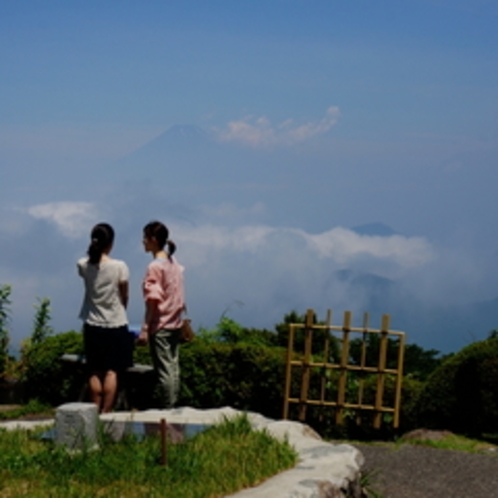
x,y
382,367
290,347
305,383
399,381
323,378
341,394
366,322
325,356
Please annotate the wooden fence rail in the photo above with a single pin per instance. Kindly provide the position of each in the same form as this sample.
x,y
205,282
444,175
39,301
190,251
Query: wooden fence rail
x,y
307,363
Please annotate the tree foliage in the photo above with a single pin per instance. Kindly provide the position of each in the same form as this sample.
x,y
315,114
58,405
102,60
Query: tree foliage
x,y
462,393
41,322
318,340
228,331
245,368
5,311
419,363
49,379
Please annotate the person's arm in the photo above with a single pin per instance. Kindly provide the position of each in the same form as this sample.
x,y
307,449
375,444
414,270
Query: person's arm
x,y
124,293
150,311
123,286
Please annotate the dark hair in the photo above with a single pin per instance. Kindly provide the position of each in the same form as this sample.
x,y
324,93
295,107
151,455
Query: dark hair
x,y
157,230
102,238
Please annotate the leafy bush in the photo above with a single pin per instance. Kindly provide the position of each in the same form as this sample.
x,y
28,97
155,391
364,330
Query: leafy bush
x,y
5,310
49,379
244,376
357,424
462,394
230,332
228,365
41,322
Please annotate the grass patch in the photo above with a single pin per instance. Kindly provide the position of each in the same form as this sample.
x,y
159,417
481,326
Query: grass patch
x,y
217,462
32,408
453,442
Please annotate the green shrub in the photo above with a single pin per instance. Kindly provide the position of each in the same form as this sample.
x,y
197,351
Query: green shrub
x,y
358,424
244,376
213,374
5,311
462,394
46,377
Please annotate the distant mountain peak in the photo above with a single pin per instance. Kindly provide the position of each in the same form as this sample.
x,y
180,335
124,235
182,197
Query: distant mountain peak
x,y
375,229
181,134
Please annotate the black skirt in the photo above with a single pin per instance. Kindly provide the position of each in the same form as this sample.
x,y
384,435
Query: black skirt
x,y
108,348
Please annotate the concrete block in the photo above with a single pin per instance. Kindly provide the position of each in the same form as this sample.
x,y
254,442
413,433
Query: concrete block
x,y
76,426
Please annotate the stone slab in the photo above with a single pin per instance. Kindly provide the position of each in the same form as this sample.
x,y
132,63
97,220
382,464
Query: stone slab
x,y
76,426
324,470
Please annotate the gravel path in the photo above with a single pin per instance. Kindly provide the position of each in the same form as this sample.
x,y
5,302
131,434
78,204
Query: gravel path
x,y
411,471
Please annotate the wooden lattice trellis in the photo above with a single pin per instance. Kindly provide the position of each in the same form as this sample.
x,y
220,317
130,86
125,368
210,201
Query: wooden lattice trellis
x,y
307,362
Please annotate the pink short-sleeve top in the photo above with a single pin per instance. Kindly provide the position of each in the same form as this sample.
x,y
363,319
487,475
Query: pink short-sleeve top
x,y
163,283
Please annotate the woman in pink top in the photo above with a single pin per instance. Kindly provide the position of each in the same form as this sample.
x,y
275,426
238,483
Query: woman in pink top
x,y
164,305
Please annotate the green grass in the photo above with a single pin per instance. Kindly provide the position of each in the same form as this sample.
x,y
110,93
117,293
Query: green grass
x,y
217,462
453,442
33,407
368,482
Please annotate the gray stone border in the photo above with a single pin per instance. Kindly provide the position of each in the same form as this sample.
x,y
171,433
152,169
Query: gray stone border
x,y
324,470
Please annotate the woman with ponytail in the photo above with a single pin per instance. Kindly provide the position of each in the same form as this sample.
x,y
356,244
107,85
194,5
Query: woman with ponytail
x,y
108,343
164,306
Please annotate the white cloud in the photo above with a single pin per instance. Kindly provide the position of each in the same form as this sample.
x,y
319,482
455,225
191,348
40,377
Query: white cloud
x,y
344,245
73,219
341,246
259,132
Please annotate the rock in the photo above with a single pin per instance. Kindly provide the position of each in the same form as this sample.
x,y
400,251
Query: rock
x,y
76,426
425,435
324,470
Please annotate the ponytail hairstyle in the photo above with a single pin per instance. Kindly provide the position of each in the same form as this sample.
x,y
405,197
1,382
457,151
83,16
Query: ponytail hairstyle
x,y
102,238
156,230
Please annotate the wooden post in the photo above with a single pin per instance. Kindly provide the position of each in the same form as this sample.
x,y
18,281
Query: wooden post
x,y
325,357
164,433
288,372
323,379
381,375
399,380
363,359
305,383
341,395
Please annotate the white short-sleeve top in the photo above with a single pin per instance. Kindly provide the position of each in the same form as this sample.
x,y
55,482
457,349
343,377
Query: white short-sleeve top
x,y
102,304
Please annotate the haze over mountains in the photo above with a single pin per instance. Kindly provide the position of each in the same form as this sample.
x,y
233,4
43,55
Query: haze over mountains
x,y
302,154
260,230
188,168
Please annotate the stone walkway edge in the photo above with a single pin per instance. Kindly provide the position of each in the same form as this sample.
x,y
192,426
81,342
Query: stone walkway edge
x,y
324,470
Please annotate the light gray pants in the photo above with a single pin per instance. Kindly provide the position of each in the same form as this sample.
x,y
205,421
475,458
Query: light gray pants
x,y
164,348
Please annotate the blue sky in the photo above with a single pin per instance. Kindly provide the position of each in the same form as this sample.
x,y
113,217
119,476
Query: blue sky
x,y
320,116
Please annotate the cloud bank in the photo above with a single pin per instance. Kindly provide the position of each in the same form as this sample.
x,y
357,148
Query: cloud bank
x,y
259,132
72,219
267,270
258,272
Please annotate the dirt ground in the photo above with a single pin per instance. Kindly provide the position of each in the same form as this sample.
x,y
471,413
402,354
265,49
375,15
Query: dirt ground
x,y
411,471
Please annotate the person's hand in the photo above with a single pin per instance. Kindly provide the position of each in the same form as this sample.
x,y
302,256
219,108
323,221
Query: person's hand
x,y
143,337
